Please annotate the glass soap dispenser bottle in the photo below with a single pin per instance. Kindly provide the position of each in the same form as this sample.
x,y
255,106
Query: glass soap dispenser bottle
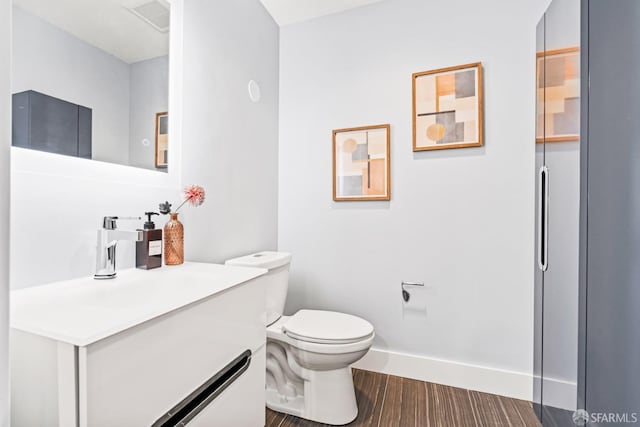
x,y
149,249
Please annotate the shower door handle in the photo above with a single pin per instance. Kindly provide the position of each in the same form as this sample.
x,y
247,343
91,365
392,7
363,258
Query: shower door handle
x,y
543,218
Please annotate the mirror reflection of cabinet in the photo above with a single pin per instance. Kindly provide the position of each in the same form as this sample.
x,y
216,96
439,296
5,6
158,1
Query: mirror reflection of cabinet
x,y
45,123
114,61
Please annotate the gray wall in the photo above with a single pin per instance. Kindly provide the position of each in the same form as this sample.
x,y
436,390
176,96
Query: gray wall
x,y
5,142
229,144
612,198
52,61
149,94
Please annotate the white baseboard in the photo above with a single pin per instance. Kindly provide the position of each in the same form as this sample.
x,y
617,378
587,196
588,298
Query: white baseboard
x,y
518,385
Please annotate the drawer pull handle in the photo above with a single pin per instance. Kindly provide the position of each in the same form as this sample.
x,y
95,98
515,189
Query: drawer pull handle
x,y
193,404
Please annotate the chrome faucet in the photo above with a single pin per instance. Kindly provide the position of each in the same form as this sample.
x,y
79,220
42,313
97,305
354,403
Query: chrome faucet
x,y
108,237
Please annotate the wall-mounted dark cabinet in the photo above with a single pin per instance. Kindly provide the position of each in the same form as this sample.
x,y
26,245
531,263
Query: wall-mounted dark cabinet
x,y
45,123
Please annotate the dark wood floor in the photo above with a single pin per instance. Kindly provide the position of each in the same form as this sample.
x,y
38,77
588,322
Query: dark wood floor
x,y
389,401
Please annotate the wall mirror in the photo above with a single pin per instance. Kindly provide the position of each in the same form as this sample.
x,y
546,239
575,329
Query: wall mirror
x,y
90,79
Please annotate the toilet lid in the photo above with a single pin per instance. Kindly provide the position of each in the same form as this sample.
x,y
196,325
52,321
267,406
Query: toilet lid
x,y
327,327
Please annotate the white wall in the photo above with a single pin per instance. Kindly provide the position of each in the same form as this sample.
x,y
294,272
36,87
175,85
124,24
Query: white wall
x,y
5,142
459,220
149,94
57,203
51,61
230,145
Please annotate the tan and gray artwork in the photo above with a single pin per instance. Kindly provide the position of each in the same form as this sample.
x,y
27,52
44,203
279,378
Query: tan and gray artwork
x,y
558,95
361,163
162,140
447,108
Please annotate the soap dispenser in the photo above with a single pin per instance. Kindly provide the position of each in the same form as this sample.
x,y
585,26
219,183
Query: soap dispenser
x,y
149,249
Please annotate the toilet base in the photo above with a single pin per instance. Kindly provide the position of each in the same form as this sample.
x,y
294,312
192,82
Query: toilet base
x,y
328,397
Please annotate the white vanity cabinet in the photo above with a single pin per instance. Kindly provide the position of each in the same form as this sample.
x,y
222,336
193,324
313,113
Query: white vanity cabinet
x,y
145,349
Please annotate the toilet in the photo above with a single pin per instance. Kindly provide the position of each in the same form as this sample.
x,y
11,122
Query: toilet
x,y
309,354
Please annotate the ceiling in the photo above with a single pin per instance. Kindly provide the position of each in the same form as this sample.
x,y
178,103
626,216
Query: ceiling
x,y
286,12
106,24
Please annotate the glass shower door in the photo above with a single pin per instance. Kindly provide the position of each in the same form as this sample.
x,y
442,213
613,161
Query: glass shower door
x,y
538,277
558,191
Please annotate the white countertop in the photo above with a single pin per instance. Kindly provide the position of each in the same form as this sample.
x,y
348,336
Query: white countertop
x,y
83,311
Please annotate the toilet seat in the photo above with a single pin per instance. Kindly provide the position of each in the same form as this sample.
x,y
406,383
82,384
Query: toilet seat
x,y
276,331
327,327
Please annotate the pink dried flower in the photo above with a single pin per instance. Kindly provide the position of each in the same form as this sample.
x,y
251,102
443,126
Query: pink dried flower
x,y
194,194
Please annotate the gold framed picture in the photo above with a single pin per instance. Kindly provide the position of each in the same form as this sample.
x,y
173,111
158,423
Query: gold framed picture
x,y
361,163
448,108
162,140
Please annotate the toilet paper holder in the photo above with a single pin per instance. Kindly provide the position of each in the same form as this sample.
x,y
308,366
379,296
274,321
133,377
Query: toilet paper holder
x,y
406,296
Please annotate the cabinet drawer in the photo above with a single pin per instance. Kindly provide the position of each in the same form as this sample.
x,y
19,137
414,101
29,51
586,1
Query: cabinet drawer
x,y
242,403
133,378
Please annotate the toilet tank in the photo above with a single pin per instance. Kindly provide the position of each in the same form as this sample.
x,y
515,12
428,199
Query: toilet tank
x,y
276,281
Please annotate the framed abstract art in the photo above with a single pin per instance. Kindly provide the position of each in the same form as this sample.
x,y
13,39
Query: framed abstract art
x,y
162,140
361,166
447,108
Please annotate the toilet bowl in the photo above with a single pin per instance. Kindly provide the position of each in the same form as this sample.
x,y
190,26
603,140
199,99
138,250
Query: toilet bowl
x,y
309,354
